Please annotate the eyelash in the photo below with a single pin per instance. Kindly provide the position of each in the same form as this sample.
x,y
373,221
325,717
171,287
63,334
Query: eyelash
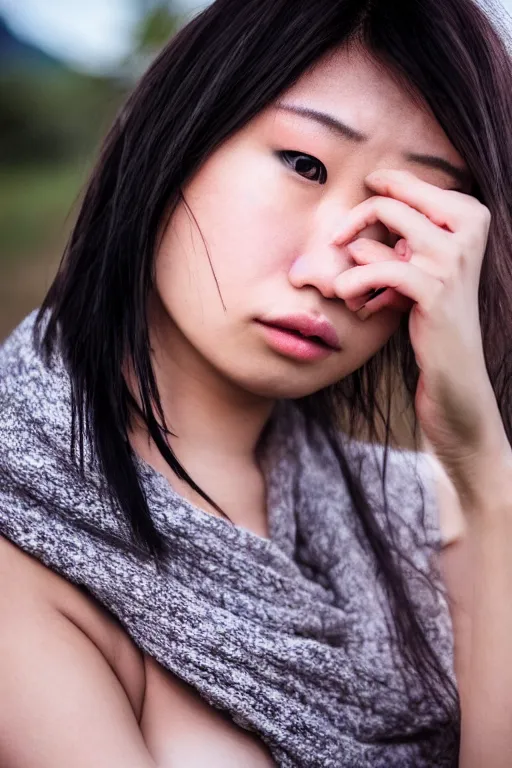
x,y
287,153
283,155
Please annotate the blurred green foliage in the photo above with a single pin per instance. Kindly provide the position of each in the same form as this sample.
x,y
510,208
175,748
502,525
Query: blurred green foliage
x,y
54,115
52,122
34,200
156,28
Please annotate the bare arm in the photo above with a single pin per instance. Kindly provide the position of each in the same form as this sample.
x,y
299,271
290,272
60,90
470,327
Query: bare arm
x,y
477,568
60,702
486,696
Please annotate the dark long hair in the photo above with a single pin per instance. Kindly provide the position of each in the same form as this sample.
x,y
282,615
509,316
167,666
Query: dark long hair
x,y
217,73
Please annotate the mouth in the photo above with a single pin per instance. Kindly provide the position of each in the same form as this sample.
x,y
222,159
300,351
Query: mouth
x,y
315,339
301,336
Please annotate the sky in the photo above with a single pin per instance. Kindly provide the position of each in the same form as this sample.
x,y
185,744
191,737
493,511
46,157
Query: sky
x,y
92,35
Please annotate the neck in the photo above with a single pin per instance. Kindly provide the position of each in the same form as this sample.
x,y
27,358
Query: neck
x,y
208,418
216,427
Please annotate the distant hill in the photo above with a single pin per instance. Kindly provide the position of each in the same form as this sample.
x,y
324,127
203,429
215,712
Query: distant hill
x,y
16,53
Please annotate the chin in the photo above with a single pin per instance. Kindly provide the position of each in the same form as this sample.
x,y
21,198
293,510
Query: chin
x,y
289,385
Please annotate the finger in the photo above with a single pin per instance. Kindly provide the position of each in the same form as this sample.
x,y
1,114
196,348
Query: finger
x,y
386,298
368,251
390,299
421,234
446,208
404,277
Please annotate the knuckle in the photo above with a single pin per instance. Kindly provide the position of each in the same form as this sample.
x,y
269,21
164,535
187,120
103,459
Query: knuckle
x,y
484,212
469,240
458,257
481,213
384,203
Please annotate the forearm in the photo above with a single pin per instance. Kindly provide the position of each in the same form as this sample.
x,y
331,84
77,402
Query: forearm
x,y
486,692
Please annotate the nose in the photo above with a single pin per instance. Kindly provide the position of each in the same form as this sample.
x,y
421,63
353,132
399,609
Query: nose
x,y
320,262
318,267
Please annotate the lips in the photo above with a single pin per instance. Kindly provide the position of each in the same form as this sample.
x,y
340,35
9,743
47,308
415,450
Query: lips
x,y
315,328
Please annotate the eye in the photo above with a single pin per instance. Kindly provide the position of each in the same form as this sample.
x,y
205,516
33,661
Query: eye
x,y
305,165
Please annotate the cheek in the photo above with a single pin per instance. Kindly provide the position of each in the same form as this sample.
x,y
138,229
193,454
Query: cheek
x,y
250,225
250,228
245,245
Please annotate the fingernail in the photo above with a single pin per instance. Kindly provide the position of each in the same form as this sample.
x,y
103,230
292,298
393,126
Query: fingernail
x,y
402,249
375,178
376,292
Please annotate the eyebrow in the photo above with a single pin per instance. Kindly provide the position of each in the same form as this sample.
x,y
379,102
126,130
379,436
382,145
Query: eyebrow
x,y
343,130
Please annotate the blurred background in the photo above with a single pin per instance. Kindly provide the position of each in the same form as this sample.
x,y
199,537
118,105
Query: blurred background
x,y
65,67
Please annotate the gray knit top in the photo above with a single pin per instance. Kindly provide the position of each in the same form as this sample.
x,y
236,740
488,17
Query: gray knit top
x,y
290,635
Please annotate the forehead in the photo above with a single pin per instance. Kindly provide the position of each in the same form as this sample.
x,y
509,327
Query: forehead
x,y
352,86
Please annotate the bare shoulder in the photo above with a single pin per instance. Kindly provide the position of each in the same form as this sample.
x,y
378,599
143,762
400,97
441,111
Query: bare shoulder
x,y
29,579
73,678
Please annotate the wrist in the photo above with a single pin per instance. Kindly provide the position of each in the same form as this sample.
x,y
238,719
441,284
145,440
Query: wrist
x,y
485,487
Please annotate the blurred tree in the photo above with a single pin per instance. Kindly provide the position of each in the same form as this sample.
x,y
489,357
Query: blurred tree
x,y
158,25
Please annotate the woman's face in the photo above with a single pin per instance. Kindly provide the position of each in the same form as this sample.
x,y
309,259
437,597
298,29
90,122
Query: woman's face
x,y
267,204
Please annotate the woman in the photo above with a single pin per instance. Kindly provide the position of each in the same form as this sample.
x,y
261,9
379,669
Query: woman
x,y
199,567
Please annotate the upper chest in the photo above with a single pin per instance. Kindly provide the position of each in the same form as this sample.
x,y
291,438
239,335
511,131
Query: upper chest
x,y
181,728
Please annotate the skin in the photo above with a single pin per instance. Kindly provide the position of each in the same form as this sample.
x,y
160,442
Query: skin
x,y
269,233
278,242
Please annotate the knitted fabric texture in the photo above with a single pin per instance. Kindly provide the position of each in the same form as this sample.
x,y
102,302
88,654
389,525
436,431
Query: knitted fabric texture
x,y
290,635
